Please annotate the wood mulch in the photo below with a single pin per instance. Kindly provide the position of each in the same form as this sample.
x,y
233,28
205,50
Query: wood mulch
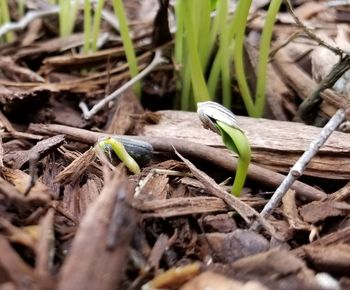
x,y
71,220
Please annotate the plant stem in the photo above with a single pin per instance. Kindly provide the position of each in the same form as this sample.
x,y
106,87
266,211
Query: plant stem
x,y
122,154
241,16
235,140
5,17
225,57
203,8
264,56
87,26
199,86
96,24
127,43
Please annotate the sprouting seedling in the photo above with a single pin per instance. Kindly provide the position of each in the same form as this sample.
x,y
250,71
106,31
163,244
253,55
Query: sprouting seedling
x,y
223,122
109,144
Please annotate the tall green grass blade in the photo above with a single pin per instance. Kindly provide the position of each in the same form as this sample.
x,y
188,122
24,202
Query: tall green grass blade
x,y
225,55
204,9
241,17
96,24
199,86
87,26
260,97
5,17
127,43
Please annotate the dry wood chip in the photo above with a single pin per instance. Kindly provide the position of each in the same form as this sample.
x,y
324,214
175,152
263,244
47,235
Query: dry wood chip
x,y
13,198
48,46
158,250
126,108
12,98
21,181
229,247
173,277
210,280
156,188
45,245
14,270
221,223
339,237
16,73
275,264
245,211
336,260
320,210
290,211
41,149
5,123
180,206
87,194
76,169
100,267
18,235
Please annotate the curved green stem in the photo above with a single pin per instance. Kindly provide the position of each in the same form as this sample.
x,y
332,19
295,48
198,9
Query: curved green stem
x,y
122,154
235,140
264,56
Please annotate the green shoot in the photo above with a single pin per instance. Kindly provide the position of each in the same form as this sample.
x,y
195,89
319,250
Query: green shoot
x,y
127,43
222,121
21,7
67,16
225,59
235,140
5,17
264,56
199,86
96,24
87,26
241,16
112,144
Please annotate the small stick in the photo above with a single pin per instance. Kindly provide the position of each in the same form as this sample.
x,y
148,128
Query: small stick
x,y
157,60
29,17
309,33
299,167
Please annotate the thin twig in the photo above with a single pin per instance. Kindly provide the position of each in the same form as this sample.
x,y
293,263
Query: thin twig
x,y
29,17
299,167
309,33
336,3
314,100
157,60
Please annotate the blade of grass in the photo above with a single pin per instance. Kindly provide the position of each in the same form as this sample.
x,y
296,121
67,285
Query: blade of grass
x,y
225,55
127,43
5,17
241,17
203,8
199,86
96,24
87,26
264,49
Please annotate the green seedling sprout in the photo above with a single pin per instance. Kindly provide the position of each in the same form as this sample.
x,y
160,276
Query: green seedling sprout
x,y
111,144
222,121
